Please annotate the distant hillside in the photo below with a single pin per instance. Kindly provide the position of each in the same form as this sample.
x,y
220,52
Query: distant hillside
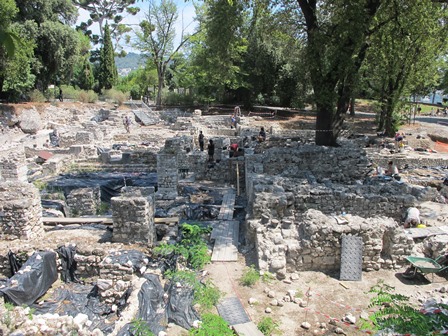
x,y
131,61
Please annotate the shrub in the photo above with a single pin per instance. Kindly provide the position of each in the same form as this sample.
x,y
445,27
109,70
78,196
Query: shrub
x,y
395,314
250,276
206,294
212,325
173,98
37,97
117,96
103,208
268,327
267,277
87,96
69,92
41,185
192,246
140,328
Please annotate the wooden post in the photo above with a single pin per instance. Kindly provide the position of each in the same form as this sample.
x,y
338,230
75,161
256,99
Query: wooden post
x,y
237,180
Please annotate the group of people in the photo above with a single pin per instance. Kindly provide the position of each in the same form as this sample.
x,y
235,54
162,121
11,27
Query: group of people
x,y
210,147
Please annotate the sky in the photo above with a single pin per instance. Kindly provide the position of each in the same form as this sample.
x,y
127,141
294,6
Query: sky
x,y
186,13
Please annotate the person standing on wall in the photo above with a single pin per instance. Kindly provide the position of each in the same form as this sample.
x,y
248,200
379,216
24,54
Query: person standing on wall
x,y
211,150
201,141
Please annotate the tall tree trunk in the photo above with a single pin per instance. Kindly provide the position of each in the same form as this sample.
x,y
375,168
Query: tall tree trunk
x,y
389,122
159,90
326,134
352,106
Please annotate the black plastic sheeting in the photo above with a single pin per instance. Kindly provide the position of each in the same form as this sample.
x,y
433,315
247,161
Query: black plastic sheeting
x,y
68,263
14,264
110,183
76,299
34,283
125,257
154,311
180,306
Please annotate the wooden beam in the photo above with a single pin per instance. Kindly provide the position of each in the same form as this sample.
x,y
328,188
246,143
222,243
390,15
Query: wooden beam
x,y
76,220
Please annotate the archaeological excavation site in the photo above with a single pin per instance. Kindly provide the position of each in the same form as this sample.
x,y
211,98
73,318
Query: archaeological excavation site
x,y
110,228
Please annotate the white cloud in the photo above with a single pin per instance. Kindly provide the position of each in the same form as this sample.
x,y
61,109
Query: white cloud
x,y
184,23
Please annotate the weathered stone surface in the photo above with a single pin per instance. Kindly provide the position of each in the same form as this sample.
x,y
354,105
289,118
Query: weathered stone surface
x,y
20,211
133,216
30,121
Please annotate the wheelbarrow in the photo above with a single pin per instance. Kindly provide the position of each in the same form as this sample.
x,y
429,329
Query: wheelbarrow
x,y
424,266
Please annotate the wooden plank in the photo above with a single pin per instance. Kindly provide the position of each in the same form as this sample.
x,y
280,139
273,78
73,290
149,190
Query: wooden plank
x,y
247,329
166,220
102,220
76,220
226,242
227,207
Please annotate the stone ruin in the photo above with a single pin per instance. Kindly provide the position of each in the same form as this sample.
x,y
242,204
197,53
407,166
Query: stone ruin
x,y
301,198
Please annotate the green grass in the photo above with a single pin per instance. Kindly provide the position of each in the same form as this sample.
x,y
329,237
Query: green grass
x,y
212,325
206,295
250,276
268,327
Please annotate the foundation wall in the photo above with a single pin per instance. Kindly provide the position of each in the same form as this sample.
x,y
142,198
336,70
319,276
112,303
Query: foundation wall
x,y
133,218
313,242
20,211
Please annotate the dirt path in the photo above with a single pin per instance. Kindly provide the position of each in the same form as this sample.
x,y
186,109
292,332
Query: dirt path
x,y
324,295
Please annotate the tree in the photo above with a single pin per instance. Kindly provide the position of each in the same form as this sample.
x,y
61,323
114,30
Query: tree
x,y
219,47
101,10
56,51
14,62
47,24
17,77
83,72
40,11
404,55
138,81
337,40
274,60
8,10
156,38
108,71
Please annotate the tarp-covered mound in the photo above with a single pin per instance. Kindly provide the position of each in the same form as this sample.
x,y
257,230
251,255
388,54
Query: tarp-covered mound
x,y
155,312
74,299
33,280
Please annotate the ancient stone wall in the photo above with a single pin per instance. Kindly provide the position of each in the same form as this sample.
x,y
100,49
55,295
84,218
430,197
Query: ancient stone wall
x,y
312,241
133,217
84,201
280,196
401,162
20,211
13,165
294,194
167,176
342,164
143,156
